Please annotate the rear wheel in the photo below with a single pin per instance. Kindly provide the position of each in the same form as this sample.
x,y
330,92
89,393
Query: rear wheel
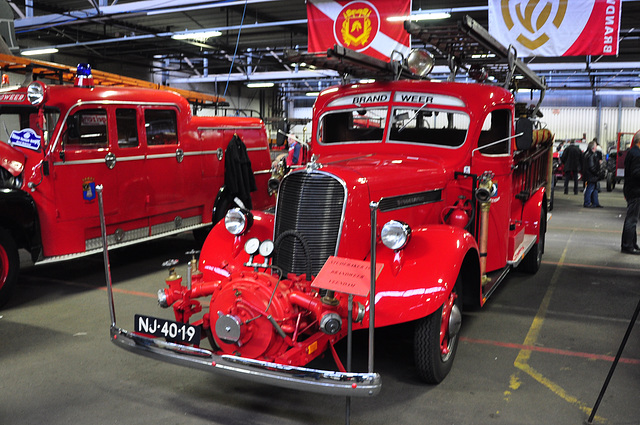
x,y
9,265
611,182
436,339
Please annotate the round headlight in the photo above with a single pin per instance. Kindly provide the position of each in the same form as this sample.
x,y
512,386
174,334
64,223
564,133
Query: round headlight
x,y
237,221
35,93
395,234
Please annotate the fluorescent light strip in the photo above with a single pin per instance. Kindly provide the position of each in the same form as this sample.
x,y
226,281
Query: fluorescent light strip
x,y
34,52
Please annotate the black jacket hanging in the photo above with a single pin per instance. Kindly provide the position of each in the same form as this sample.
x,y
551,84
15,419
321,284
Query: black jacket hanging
x,y
238,175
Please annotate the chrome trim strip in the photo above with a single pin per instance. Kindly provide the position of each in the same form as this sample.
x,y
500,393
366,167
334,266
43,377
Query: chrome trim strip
x,y
81,162
262,172
297,378
162,155
264,148
58,258
257,127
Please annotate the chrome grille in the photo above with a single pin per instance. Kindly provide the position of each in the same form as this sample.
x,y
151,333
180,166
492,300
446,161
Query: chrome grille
x,y
311,205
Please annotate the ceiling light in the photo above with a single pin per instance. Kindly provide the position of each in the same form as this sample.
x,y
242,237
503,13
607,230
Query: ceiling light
x,y
42,51
197,35
420,17
259,85
312,94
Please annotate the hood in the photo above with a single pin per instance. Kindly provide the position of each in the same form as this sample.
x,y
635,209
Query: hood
x,y
11,159
387,175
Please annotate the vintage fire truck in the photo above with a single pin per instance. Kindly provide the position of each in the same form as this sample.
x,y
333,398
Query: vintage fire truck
x,y
163,167
429,192
615,162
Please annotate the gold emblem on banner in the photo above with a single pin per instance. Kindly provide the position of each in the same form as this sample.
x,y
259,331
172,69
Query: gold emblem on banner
x,y
531,23
356,28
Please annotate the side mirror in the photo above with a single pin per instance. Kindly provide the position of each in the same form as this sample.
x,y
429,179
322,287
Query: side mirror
x,y
525,140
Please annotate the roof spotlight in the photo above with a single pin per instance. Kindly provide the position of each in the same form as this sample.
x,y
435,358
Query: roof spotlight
x,y
420,62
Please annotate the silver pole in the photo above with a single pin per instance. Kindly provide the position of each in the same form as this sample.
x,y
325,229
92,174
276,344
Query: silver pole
x,y
105,255
372,293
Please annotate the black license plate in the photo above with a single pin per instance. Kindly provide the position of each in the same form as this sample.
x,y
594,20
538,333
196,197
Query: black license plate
x,y
172,331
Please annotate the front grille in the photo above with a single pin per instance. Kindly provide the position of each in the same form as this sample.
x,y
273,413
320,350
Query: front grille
x,y
311,205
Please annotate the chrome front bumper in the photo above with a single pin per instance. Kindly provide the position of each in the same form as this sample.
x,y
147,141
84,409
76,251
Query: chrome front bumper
x,y
298,378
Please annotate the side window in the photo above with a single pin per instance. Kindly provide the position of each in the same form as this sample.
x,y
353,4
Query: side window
x,y
161,126
497,126
87,129
127,128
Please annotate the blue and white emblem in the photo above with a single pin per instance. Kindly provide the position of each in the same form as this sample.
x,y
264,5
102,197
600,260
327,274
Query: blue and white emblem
x,y
26,138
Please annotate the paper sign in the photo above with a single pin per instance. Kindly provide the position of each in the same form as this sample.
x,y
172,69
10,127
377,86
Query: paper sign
x,y
346,275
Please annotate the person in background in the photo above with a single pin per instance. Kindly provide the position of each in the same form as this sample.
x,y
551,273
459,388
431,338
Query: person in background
x,y
571,160
631,192
590,174
293,157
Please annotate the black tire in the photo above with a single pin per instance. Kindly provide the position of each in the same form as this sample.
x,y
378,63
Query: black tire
x,y
531,262
9,266
432,363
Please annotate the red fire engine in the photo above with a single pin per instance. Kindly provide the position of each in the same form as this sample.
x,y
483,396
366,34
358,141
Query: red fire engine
x,y
431,206
162,166
615,162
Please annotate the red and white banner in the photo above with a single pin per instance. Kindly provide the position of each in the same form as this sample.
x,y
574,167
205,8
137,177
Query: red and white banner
x,y
557,27
359,25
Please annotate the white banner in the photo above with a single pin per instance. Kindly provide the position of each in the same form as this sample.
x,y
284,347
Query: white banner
x,y
556,27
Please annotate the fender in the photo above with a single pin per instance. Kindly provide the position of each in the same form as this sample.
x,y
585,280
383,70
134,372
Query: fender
x,y
18,214
531,211
223,254
416,280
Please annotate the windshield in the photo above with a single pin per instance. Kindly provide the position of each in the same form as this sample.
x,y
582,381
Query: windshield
x,y
362,125
429,126
407,125
19,126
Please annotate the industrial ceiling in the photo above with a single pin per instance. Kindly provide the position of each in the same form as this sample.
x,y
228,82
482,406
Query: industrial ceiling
x,y
135,38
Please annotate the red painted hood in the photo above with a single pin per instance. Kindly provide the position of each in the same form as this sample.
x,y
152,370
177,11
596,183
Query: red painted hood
x,y
387,175
11,159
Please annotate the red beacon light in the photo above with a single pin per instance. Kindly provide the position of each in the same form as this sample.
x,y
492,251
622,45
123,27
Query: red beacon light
x,y
83,76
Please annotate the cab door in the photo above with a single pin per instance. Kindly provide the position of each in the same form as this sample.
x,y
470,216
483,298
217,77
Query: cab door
x,y
164,163
82,161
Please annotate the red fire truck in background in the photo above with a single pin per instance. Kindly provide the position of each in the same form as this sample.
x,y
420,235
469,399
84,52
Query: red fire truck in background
x,y
162,167
615,162
429,192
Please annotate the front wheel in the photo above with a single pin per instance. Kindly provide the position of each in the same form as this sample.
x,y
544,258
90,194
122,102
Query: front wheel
x,y
611,182
436,340
9,266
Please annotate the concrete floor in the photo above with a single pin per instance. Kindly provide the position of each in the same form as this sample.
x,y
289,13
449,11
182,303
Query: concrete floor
x,y
537,353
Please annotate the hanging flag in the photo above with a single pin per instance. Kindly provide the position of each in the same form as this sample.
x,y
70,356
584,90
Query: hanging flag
x,y
557,27
362,26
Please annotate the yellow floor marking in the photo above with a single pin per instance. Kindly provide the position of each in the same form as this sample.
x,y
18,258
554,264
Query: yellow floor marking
x,y
521,362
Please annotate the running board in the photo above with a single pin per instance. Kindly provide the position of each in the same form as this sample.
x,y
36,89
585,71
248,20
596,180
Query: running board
x,y
527,243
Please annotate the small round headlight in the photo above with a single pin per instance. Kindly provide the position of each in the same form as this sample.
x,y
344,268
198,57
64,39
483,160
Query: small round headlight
x,y
395,234
238,221
35,93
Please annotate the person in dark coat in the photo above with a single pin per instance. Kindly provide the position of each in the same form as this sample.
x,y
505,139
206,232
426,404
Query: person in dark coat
x,y
238,174
631,192
571,161
591,175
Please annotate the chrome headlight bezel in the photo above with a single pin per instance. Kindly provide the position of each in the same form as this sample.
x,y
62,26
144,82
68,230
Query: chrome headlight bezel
x,y
36,93
237,221
395,234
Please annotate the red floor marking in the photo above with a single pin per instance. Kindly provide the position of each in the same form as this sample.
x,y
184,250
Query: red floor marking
x,y
550,350
136,293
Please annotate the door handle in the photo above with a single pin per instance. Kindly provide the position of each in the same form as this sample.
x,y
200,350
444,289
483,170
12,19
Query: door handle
x,y
110,160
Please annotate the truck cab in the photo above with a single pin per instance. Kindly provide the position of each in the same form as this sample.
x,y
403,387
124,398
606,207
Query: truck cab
x,y
162,169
